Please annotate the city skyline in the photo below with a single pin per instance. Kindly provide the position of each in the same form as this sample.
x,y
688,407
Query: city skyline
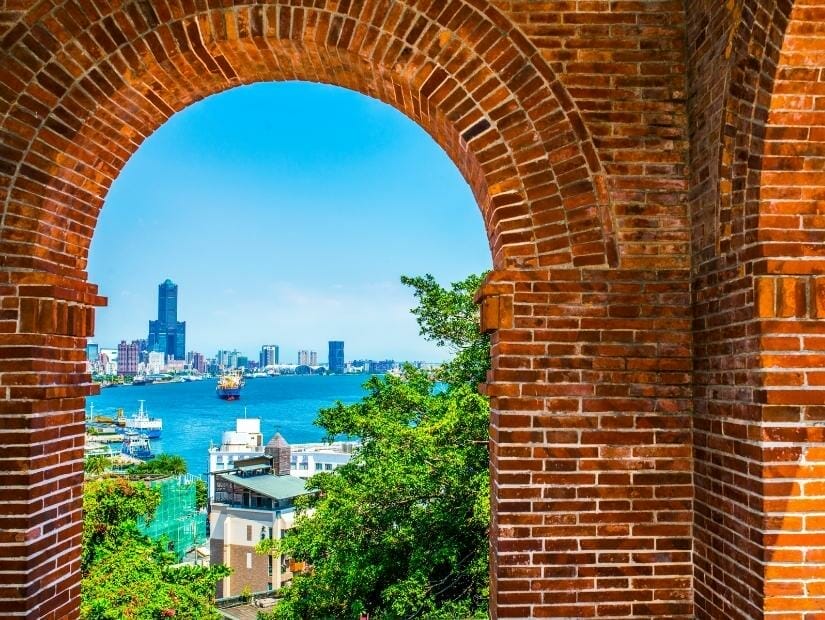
x,y
291,225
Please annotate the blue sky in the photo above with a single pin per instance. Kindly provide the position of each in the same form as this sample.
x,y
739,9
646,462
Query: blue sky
x,y
286,213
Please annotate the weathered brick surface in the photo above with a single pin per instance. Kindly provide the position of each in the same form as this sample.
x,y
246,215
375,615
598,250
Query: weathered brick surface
x,y
650,173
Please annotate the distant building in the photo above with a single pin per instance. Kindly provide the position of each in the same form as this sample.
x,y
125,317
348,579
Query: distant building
x,y
382,367
92,352
198,362
303,358
336,356
108,361
128,357
156,363
167,335
254,501
269,355
313,358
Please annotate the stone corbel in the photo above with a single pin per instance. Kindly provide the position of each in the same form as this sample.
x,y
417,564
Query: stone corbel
x,y
495,300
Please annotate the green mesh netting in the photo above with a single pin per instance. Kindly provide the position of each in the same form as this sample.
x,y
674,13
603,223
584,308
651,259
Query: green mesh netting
x,y
176,517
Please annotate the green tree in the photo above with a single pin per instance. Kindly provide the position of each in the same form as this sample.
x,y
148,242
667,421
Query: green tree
x,y
128,575
401,530
97,464
163,464
201,494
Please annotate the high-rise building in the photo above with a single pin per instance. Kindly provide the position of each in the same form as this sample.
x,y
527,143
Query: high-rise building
x,y
303,358
313,358
242,361
128,356
336,356
167,335
92,352
269,355
198,362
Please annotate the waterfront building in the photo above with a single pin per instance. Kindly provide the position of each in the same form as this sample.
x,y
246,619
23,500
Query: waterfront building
x,y
92,352
244,442
167,334
269,355
309,459
156,363
303,358
108,361
198,362
128,355
313,358
382,367
254,501
242,361
336,357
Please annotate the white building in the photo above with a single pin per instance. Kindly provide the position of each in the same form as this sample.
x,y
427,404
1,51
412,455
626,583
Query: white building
x,y
253,502
311,458
246,441
155,363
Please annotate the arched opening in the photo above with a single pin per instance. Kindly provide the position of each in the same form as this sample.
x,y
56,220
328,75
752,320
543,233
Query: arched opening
x,y
290,225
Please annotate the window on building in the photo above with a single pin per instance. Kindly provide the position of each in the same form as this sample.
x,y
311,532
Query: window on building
x,y
328,466
319,466
263,533
303,466
249,560
270,565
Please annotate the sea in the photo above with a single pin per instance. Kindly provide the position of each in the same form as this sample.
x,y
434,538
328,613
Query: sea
x,y
194,417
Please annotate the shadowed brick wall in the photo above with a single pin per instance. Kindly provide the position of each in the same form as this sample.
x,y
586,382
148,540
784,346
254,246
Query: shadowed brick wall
x,y
649,173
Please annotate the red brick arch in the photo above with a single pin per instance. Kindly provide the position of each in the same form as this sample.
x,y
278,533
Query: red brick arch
x,y
501,115
567,119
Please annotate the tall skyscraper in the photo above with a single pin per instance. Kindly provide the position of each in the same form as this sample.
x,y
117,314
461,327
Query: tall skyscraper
x,y
269,355
336,356
303,358
92,352
167,334
313,358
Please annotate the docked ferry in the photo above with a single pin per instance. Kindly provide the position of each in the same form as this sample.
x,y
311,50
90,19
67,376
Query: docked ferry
x,y
142,423
137,446
229,386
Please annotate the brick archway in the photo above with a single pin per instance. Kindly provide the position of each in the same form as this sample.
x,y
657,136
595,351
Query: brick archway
x,y
569,125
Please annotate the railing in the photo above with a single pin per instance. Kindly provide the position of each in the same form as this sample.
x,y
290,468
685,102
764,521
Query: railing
x,y
237,601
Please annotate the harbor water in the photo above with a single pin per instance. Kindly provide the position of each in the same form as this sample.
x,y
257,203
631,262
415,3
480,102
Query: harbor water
x,y
193,415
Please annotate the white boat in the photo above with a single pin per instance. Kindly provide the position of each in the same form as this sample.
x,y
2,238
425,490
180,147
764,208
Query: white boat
x,y
141,422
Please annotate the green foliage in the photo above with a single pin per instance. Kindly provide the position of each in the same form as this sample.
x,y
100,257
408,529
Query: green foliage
x,y
97,464
201,494
128,575
111,507
401,530
450,318
163,464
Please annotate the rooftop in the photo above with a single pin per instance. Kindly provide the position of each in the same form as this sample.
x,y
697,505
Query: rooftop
x,y
276,487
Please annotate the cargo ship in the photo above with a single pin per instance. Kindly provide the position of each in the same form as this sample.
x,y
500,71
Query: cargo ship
x,y
229,386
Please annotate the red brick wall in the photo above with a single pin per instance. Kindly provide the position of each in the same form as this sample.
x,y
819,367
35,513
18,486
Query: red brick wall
x,y
649,174
791,305
754,75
